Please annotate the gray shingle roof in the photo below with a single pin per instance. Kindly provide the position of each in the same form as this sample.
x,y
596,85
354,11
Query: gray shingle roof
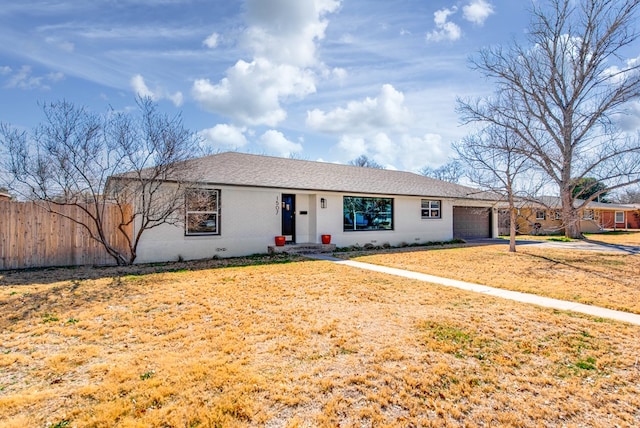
x,y
241,169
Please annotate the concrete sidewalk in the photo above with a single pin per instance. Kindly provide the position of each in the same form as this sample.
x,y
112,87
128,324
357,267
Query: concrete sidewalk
x,y
491,291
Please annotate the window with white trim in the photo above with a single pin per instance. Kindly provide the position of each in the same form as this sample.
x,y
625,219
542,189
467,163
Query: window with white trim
x,y
202,212
541,214
619,216
431,208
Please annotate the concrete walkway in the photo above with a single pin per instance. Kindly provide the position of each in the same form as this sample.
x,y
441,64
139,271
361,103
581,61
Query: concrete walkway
x,y
491,291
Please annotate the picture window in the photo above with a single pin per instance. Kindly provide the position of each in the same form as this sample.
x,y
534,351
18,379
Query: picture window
x,y
365,213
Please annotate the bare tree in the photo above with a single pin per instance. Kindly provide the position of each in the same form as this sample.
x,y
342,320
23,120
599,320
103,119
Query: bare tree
x,y
366,162
494,162
451,171
564,92
629,196
92,162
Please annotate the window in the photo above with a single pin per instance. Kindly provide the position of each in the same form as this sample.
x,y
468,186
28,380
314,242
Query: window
x,y
430,209
619,216
202,212
587,215
541,214
557,215
362,213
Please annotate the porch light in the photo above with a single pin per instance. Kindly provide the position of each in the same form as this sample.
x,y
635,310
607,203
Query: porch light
x,y
323,203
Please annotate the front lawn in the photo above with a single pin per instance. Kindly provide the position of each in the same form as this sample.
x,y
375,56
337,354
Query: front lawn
x,y
302,344
616,238
603,279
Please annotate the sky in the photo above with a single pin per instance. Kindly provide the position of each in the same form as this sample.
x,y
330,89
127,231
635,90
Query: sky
x,y
326,80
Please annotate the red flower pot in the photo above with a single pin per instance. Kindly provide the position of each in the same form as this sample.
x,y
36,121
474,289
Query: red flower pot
x,y
280,240
326,239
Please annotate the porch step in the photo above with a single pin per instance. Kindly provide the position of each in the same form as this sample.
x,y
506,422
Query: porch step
x,y
309,248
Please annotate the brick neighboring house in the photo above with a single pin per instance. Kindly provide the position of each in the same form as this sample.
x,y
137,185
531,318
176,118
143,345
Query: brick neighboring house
x,y
544,217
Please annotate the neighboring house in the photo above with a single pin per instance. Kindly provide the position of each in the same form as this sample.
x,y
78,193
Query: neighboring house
x,y
616,216
240,202
544,217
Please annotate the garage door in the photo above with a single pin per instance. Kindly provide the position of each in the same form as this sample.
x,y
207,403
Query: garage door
x,y
471,222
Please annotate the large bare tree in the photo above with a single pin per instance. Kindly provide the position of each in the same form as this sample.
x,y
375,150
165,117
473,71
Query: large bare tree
x,y
75,157
563,91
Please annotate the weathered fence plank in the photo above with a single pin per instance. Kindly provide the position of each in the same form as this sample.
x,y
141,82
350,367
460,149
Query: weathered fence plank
x,y
30,236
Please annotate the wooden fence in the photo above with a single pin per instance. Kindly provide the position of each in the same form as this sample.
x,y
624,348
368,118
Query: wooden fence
x,y
30,236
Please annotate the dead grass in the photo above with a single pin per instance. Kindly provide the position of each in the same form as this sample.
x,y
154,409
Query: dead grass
x,y
631,237
617,238
303,344
602,279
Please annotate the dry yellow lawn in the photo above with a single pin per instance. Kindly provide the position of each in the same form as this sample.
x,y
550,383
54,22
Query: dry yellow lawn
x,y
302,344
608,279
617,238
622,238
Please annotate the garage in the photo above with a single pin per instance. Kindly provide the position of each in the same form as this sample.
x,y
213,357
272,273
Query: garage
x,y
471,222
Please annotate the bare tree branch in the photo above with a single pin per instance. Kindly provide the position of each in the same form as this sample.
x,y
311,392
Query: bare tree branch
x,y
78,158
562,94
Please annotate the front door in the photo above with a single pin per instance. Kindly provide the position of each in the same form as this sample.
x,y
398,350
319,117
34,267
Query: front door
x,y
289,217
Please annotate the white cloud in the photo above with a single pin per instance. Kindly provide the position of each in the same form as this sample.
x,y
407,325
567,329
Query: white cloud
x,y
387,110
445,30
275,142
223,135
412,152
477,11
416,152
285,31
24,78
617,74
385,151
281,36
379,128
337,73
141,89
55,77
440,16
251,93
212,40
176,98
351,147
61,44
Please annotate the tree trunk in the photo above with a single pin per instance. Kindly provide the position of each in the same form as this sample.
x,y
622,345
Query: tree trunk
x,y
513,213
570,216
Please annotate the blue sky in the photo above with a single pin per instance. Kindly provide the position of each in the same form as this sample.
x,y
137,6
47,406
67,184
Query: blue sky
x,y
317,79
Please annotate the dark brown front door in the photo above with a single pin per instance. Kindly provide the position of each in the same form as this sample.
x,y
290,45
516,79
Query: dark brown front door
x,y
289,217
